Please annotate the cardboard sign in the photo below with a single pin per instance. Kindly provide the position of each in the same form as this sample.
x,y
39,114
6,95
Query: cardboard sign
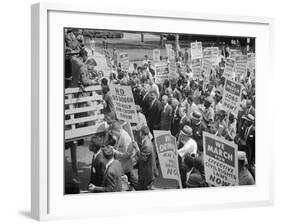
x,y
172,65
125,63
196,68
232,96
107,58
168,49
156,55
161,72
241,66
220,161
167,152
215,52
124,103
251,65
229,68
196,50
234,53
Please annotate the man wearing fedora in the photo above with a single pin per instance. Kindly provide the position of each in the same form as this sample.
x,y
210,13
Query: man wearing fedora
x,y
112,180
197,125
186,145
208,113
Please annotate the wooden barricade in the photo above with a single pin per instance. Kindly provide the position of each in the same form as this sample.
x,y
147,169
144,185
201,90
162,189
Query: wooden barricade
x,y
83,115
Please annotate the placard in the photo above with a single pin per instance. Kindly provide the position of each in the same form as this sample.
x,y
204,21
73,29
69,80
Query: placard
x,y
232,96
161,72
172,65
167,152
241,66
196,50
220,161
229,68
196,68
125,63
124,103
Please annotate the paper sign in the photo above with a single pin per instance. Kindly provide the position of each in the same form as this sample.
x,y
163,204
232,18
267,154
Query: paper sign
x,y
196,68
229,68
161,72
251,65
220,161
241,66
172,65
124,103
124,60
167,152
196,50
234,53
231,99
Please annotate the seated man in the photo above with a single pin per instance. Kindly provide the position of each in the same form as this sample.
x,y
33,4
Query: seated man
x,y
112,181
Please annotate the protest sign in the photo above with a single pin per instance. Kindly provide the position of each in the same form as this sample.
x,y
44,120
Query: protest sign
x,y
161,72
241,66
168,155
196,50
232,96
215,52
156,55
168,49
234,53
124,60
229,68
124,103
220,161
172,65
107,58
251,65
196,68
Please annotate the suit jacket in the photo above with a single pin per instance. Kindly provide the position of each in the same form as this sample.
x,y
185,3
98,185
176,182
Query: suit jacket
x,y
145,103
166,118
112,181
175,122
146,161
97,169
154,115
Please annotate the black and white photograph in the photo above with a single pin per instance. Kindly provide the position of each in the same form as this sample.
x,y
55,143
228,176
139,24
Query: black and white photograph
x,y
148,111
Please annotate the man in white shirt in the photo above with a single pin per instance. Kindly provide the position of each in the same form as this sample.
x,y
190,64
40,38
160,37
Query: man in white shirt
x,y
124,151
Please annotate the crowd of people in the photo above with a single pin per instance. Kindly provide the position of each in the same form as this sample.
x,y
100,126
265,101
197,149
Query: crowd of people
x,y
185,106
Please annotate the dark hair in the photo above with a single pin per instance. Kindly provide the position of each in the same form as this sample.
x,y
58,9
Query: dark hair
x,y
104,81
111,141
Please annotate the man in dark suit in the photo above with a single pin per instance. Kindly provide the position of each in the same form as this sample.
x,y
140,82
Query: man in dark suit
x,y
112,181
98,162
166,114
146,161
145,101
176,116
154,113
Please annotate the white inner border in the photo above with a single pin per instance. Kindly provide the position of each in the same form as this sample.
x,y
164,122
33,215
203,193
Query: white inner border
x,y
75,206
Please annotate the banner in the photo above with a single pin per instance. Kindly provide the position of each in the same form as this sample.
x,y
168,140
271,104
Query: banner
x,y
161,72
124,60
231,98
241,66
196,68
124,103
196,50
167,151
229,68
172,65
156,55
220,161
107,58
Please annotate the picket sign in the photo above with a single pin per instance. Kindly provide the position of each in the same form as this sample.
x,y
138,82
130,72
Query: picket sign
x,y
83,112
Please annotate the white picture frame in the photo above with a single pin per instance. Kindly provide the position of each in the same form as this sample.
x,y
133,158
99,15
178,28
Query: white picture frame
x,y
47,200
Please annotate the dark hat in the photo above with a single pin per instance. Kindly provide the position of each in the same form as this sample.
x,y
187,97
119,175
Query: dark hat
x,y
194,180
196,115
83,52
186,131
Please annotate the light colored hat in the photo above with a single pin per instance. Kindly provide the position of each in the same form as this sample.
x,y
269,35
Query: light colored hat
x,y
186,131
242,157
196,115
